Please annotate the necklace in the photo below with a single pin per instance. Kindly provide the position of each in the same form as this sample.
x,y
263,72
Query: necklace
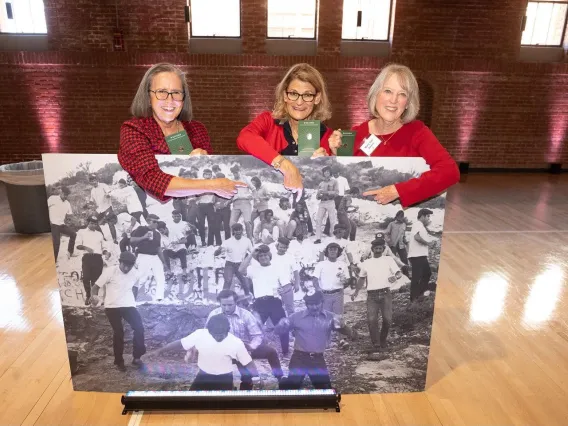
x,y
390,137
166,134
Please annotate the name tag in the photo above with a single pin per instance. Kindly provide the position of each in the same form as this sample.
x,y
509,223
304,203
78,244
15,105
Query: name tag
x,y
370,144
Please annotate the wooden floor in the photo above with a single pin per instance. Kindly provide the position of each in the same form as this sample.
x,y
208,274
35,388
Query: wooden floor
x,y
499,351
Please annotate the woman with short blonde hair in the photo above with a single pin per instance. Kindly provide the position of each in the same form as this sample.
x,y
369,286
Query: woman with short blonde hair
x,y
300,95
394,102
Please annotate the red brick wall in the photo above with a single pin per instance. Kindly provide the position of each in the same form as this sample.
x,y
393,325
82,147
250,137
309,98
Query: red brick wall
x,y
485,108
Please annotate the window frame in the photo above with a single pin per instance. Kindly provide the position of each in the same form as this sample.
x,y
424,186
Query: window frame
x,y
372,39
214,37
314,38
562,38
27,34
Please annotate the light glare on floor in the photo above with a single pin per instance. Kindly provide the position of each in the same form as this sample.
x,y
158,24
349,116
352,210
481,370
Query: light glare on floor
x,y
543,296
488,298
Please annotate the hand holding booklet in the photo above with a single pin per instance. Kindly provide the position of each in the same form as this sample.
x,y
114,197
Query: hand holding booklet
x,y
347,143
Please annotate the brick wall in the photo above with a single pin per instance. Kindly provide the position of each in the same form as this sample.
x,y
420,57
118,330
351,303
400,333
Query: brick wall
x,y
483,105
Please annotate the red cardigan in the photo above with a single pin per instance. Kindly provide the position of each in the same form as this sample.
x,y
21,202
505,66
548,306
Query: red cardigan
x,y
414,139
141,139
265,139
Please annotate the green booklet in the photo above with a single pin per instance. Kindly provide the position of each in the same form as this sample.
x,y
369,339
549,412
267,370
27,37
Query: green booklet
x,y
347,143
179,143
308,137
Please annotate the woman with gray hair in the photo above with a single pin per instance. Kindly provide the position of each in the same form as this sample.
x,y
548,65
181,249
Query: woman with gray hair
x,y
394,102
163,118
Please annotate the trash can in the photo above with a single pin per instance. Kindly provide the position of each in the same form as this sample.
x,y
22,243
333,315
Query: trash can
x,y
25,187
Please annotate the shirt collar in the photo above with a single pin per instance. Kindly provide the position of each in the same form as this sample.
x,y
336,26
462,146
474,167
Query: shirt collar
x,y
306,313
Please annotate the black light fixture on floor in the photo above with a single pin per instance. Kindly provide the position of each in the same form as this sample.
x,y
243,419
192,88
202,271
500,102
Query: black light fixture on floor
x,y
555,168
231,400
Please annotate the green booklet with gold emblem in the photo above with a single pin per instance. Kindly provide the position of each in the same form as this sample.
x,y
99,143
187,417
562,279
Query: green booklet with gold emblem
x,y
308,137
347,143
179,143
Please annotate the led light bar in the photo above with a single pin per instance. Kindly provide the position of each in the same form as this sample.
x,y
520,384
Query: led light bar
x,y
231,400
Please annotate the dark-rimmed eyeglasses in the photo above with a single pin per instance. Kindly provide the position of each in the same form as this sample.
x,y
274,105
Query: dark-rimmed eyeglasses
x,y
306,97
162,95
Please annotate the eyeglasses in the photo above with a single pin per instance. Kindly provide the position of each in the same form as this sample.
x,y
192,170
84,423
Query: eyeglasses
x,y
162,95
306,97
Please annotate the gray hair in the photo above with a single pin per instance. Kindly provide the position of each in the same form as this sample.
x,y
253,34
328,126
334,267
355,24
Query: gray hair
x,y
408,83
141,106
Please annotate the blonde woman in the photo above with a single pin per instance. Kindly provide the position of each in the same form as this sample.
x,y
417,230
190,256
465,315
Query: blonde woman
x,y
273,135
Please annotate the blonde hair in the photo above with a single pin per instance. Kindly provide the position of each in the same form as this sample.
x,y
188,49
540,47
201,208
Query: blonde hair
x,y
407,81
307,74
141,105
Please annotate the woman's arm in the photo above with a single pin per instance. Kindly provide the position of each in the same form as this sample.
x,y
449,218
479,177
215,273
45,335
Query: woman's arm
x,y
443,171
252,138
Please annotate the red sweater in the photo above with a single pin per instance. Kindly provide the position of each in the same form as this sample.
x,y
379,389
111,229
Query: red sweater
x,y
141,139
265,139
414,139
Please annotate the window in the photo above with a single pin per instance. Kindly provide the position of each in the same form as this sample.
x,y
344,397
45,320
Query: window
x,y
22,16
544,24
366,19
292,19
215,18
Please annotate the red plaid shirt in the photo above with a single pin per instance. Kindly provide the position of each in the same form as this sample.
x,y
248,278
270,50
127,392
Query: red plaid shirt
x,y
141,139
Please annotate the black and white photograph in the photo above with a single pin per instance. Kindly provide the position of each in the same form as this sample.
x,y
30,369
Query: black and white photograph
x,y
267,290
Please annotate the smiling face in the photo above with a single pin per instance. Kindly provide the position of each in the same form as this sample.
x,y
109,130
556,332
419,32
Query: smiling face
x,y
299,109
391,100
167,110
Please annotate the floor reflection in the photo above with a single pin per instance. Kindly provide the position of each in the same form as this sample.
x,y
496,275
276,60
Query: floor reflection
x,y
11,315
543,296
489,298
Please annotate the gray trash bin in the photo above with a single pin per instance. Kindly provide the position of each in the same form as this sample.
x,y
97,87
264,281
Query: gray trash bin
x,y
27,197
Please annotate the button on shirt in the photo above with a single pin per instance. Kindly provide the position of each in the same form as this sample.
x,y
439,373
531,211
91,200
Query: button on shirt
x,y
58,209
92,239
312,333
416,249
99,195
243,325
236,250
331,275
378,270
216,357
119,287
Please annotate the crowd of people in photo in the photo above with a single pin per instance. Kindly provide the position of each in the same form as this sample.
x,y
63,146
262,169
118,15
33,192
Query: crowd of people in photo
x,y
255,262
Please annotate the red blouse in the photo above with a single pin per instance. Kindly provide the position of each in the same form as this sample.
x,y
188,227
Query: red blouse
x,y
264,138
414,139
141,139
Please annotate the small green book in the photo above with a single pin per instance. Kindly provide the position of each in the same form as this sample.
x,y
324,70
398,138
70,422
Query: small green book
x,y
308,137
179,143
347,143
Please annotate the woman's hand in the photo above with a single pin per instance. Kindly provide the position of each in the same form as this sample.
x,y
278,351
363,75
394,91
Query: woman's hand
x,y
335,141
383,195
198,151
292,178
320,152
224,187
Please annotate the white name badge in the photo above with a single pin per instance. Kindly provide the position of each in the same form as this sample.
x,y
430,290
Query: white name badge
x,y
370,144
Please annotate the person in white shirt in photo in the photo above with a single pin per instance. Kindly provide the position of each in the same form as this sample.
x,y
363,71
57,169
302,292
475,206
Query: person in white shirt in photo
x,y
282,214
327,191
381,273
242,202
176,249
420,240
124,227
236,249
266,279
245,326
217,349
260,198
290,270
343,188
128,196
206,210
121,289
330,276
100,196
59,208
91,242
